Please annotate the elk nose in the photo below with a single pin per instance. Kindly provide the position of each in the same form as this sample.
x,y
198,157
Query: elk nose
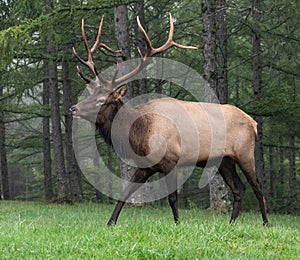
x,y
73,110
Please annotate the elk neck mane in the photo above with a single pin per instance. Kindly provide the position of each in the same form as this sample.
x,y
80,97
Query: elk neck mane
x,y
106,116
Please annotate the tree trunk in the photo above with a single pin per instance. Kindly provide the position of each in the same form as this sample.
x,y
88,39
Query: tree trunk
x,y
4,169
62,187
257,75
292,179
140,43
73,171
218,189
209,48
123,38
48,186
221,24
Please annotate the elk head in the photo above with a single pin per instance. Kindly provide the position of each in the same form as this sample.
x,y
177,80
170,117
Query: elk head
x,y
104,92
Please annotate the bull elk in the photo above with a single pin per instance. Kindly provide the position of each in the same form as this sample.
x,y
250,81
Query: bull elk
x,y
195,142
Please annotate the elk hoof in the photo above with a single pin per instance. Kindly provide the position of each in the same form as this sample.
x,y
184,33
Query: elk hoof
x,y
111,223
232,221
266,224
177,222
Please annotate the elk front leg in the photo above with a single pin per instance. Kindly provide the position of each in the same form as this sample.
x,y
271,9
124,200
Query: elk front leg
x,y
171,180
139,177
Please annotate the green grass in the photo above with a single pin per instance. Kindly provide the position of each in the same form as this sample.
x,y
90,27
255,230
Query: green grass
x,y
42,231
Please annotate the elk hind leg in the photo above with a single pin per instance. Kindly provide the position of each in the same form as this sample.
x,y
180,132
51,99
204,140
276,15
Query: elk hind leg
x,y
249,171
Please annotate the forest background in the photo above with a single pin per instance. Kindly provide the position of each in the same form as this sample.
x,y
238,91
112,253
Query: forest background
x,y
38,84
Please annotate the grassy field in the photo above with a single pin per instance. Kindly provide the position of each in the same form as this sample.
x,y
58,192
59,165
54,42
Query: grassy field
x,y
43,231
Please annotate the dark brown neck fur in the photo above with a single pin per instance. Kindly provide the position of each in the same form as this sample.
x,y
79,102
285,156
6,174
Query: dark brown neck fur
x,y
106,117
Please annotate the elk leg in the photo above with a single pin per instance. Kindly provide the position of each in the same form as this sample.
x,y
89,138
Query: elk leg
x,y
171,181
229,174
139,177
249,171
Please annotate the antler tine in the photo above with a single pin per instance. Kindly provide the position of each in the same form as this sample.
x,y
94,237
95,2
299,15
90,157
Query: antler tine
x,y
89,63
83,76
171,32
170,42
86,44
140,52
146,38
171,37
78,57
98,42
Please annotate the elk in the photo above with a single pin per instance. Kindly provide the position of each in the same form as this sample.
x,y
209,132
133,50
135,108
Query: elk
x,y
197,141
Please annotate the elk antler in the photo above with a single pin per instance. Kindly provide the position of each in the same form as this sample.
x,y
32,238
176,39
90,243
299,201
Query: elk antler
x,y
90,63
150,51
143,61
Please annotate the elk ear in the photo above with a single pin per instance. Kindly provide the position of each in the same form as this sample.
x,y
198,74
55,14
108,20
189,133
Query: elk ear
x,y
120,92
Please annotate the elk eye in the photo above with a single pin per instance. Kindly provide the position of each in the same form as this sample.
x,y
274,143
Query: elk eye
x,y
100,101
